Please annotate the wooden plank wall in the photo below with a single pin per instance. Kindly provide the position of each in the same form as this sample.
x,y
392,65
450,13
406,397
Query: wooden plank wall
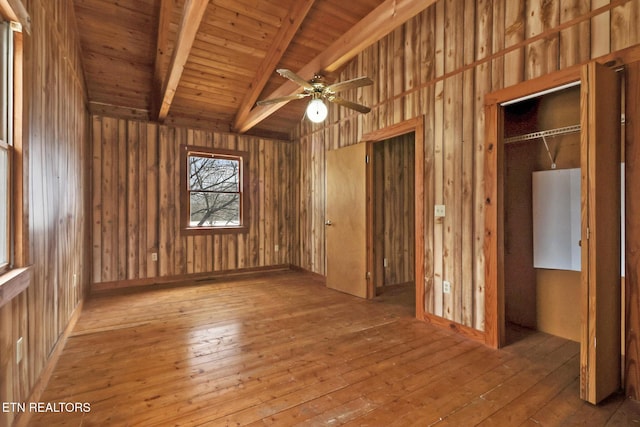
x,y
136,200
56,174
441,64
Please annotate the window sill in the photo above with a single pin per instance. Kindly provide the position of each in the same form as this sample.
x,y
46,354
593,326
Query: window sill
x,y
13,282
199,231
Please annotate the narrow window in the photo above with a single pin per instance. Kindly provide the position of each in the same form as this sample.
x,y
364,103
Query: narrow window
x,y
215,197
6,120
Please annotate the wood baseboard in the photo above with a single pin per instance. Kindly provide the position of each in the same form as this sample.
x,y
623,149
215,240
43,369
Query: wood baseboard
x,y
317,276
185,278
22,419
463,330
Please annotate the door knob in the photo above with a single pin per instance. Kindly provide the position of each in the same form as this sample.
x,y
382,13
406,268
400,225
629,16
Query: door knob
x,y
328,222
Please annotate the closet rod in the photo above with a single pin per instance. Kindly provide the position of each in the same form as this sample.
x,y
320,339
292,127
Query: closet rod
x,y
550,132
543,133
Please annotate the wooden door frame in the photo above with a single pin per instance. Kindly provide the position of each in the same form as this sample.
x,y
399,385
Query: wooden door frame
x,y
494,203
494,194
415,125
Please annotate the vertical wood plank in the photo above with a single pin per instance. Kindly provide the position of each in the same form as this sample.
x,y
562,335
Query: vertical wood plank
x,y
141,199
452,152
382,86
514,32
97,203
600,30
483,85
429,178
397,77
152,197
467,258
624,25
498,42
164,199
132,205
541,55
411,65
179,238
120,163
632,231
438,135
109,205
572,50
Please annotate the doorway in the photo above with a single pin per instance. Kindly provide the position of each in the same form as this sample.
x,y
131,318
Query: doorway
x,y
393,181
333,235
541,155
409,129
600,114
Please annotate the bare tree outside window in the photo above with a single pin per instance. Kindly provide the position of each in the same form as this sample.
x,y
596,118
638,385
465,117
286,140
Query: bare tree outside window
x,y
214,188
214,191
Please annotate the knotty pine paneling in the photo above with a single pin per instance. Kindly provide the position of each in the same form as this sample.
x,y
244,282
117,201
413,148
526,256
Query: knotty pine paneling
x,y
441,64
56,155
136,204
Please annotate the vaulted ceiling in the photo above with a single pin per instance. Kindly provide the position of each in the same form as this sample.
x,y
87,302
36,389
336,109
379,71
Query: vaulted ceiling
x,y
204,63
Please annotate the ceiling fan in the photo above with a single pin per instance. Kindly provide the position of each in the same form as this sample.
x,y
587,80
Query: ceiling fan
x,y
318,90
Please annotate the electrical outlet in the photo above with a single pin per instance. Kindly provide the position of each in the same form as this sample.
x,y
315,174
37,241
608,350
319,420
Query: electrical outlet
x,y
154,256
439,211
446,287
19,350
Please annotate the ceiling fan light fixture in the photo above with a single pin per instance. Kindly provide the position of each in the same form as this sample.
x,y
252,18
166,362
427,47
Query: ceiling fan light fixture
x,y
317,110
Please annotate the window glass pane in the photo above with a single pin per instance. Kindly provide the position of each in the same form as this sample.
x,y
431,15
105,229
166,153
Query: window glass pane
x,y
214,209
220,175
4,196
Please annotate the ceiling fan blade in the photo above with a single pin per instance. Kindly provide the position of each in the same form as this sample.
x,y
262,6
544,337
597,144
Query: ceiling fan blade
x,y
282,99
349,84
295,78
349,104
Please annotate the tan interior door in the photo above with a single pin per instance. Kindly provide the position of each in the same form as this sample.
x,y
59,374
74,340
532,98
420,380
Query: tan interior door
x,y
345,220
600,159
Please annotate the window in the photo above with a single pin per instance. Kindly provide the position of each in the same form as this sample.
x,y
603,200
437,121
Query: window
x,y
6,119
214,199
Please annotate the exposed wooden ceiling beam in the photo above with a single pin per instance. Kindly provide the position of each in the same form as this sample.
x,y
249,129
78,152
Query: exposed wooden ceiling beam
x,y
162,50
191,17
265,70
380,22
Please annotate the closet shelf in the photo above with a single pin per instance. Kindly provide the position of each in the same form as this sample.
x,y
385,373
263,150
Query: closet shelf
x,y
543,134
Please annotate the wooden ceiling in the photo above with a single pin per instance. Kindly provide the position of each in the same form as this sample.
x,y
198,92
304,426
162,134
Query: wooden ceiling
x,y
204,63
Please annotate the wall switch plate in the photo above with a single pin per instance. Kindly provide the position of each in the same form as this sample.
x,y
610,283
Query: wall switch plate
x,y
385,262
276,248
446,287
439,211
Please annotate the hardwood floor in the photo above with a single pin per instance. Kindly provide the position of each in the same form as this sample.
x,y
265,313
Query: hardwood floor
x,y
280,349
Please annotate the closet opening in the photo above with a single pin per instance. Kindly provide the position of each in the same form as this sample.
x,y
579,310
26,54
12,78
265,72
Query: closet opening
x,y
542,215
508,215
